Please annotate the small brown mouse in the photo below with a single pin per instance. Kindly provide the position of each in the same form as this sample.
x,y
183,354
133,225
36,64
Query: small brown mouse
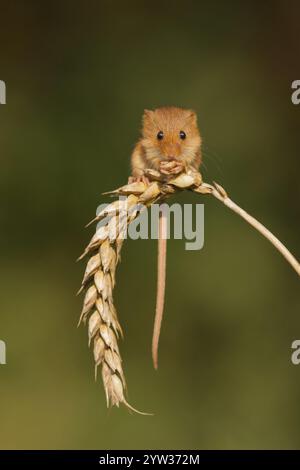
x,y
170,144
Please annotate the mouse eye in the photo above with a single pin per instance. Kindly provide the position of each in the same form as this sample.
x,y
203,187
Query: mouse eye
x,y
160,135
182,135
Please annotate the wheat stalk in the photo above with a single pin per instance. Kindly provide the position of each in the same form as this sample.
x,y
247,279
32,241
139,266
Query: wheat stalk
x,y
219,193
104,249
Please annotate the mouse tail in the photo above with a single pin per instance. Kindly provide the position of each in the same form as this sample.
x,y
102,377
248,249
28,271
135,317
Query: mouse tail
x,y
161,282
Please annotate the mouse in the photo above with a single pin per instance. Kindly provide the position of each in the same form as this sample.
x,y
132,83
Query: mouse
x,y
170,143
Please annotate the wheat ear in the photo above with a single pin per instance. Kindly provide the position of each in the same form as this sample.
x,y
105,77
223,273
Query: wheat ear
x,y
99,280
104,253
104,328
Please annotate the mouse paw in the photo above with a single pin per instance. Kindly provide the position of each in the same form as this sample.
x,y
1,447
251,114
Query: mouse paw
x,y
171,167
139,179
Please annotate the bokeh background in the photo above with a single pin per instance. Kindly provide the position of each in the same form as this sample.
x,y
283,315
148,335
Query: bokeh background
x,y
78,76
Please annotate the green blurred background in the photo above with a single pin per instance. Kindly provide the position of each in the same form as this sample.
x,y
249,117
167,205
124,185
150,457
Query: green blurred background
x,y
78,76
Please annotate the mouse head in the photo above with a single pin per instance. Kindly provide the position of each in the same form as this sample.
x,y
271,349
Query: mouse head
x,y
170,133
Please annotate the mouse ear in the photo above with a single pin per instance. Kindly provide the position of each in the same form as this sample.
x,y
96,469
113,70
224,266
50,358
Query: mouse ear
x,y
148,113
192,116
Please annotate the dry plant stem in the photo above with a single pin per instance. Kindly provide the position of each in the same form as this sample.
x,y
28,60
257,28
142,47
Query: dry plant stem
x,y
222,196
161,282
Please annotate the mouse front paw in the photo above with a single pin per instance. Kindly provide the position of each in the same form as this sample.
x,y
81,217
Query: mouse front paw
x,y
171,167
138,179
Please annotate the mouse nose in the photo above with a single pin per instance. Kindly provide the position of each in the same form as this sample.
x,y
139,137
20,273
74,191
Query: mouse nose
x,y
172,151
